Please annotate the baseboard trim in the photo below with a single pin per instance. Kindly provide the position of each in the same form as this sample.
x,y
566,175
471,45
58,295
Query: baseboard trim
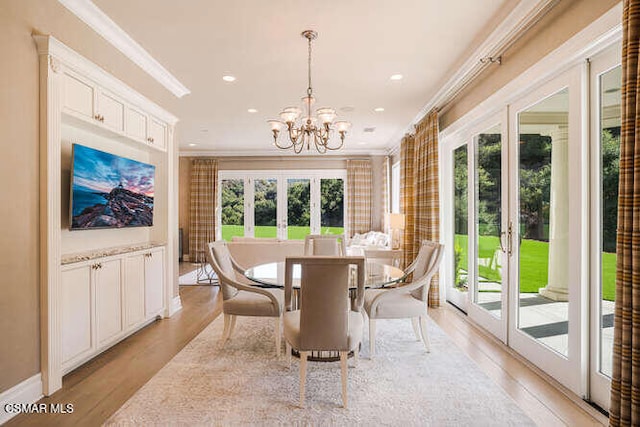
x,y
28,391
176,305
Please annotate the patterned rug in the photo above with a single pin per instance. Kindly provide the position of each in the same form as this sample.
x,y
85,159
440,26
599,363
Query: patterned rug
x,y
245,384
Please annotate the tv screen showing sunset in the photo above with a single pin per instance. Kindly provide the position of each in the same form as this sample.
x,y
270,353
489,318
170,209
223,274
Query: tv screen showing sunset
x,y
109,191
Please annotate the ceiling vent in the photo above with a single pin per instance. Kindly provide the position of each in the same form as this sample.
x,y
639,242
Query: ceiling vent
x,y
369,130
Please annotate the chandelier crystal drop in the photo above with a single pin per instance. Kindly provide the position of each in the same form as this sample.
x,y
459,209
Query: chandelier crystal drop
x,y
313,127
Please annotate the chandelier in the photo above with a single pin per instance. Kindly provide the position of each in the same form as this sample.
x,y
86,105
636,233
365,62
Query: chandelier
x,y
306,131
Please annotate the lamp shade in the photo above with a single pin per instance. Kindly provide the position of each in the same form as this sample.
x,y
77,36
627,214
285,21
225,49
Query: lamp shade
x,y
395,221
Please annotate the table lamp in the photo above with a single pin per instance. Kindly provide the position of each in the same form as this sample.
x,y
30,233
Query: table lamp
x,y
395,223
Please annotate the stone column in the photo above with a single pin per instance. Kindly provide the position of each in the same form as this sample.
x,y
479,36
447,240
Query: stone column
x,y
557,288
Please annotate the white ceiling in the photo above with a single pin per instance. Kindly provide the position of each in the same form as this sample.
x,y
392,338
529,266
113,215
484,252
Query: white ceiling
x,y
361,44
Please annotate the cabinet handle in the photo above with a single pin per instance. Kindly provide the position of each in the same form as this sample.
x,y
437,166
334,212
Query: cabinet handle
x,y
102,118
97,117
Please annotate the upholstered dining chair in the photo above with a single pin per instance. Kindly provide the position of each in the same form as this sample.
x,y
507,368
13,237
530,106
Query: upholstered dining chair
x,y
325,321
239,299
384,256
325,245
407,300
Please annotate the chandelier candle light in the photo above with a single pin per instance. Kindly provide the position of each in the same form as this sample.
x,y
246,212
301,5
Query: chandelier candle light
x,y
302,134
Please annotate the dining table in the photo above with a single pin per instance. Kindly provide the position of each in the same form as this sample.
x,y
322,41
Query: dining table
x,y
377,275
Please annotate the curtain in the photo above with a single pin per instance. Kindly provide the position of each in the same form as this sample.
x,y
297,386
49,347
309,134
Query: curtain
x,y
202,225
625,381
426,188
419,192
359,182
407,196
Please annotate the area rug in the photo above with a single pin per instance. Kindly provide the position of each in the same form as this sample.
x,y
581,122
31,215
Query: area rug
x,y
245,384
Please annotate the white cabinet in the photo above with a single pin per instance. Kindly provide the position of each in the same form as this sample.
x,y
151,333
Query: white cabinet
x,y
76,310
110,110
136,124
134,290
106,299
85,100
153,282
157,133
78,96
108,285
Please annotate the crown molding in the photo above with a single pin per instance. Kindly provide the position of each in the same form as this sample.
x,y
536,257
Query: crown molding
x,y
522,17
99,22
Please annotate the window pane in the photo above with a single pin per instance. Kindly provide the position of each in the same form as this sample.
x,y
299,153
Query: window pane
x,y
266,203
395,188
488,204
331,206
544,221
232,208
460,224
298,208
609,161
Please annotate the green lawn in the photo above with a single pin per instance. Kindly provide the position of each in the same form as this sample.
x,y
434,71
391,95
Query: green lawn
x,y
293,233
534,264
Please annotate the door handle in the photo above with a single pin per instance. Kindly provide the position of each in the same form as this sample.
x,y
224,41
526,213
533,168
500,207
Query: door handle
x,y
510,239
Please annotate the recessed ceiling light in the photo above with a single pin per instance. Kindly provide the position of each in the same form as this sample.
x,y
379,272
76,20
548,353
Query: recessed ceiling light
x,y
192,145
378,110
396,77
361,143
252,110
228,78
347,109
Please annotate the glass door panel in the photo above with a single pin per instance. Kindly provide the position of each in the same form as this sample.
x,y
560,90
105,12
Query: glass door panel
x,y
331,206
232,208
488,221
543,235
265,207
458,292
610,120
298,208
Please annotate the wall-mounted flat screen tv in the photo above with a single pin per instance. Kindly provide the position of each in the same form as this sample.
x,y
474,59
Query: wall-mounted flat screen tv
x,y
109,191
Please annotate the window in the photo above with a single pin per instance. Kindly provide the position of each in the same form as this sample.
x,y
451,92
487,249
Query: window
x,y
281,204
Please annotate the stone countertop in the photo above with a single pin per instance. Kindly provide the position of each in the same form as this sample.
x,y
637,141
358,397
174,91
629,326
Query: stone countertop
x,y
100,253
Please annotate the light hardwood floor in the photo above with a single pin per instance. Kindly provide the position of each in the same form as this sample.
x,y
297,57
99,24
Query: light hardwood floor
x,y
98,388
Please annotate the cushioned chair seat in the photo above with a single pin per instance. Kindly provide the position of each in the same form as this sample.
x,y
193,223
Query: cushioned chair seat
x,y
251,304
292,329
394,306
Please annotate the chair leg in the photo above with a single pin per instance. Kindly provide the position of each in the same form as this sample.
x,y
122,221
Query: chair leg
x,y
303,375
343,366
225,331
277,332
372,337
233,325
423,331
288,351
416,327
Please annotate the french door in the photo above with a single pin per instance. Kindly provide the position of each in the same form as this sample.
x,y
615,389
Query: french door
x,y
531,223
516,248
280,204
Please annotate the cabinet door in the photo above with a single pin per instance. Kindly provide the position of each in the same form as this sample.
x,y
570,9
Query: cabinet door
x,y
108,300
111,111
78,96
75,287
154,278
136,124
134,290
157,133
